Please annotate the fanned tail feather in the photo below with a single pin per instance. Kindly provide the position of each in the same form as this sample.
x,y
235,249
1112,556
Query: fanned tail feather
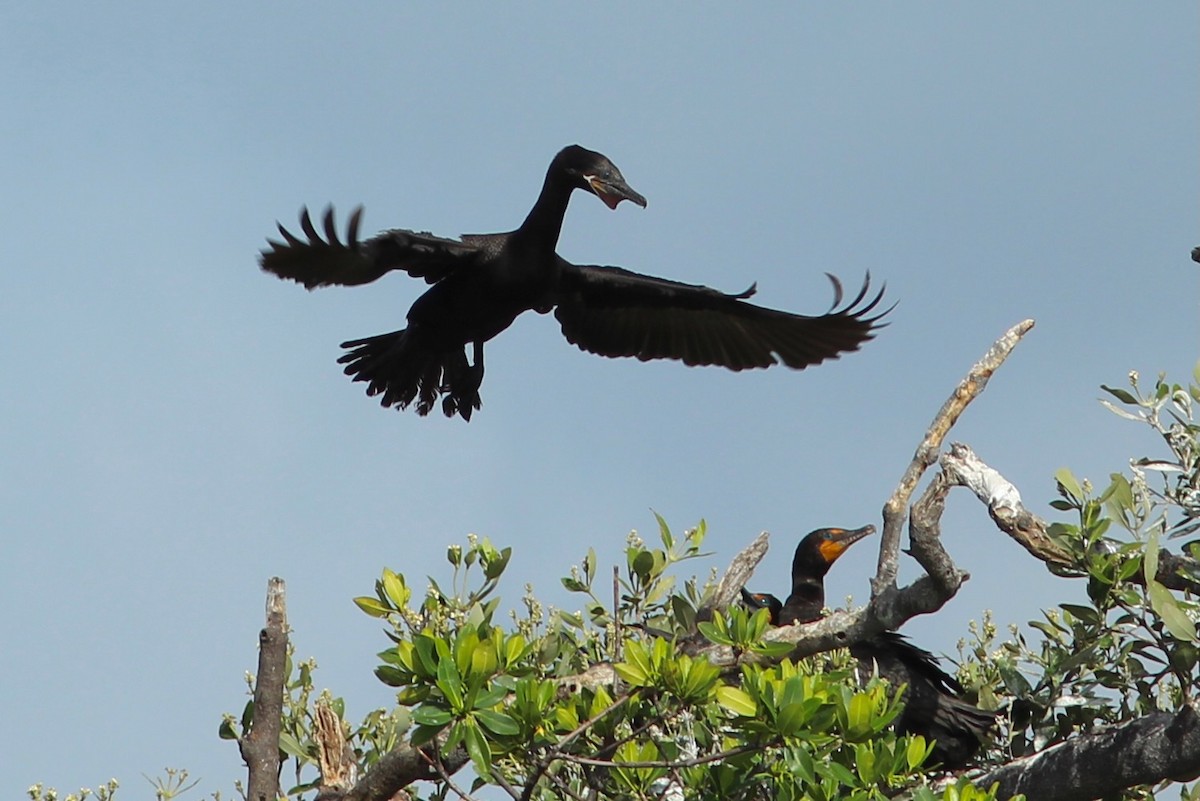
x,y
403,374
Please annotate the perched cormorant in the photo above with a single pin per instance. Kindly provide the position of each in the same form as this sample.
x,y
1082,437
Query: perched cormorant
x,y
482,282
933,706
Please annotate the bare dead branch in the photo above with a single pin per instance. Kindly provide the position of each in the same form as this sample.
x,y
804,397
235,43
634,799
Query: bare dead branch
x,y
1003,502
896,508
260,745
335,758
736,576
963,467
924,537
1143,751
399,768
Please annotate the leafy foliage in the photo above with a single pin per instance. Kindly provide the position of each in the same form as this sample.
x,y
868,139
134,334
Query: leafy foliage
x,y
670,722
1132,649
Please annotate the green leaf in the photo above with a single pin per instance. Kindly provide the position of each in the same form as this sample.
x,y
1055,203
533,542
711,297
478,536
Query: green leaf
x,y
1086,614
450,683
427,715
859,713
802,765
664,532
714,633
291,746
632,674
736,701
423,734
515,648
573,585
1172,614
790,719
685,615
1119,394
643,565
917,752
247,714
496,565
839,772
392,676
636,654
490,697
773,650
1066,480
497,722
864,762
1150,557
413,694
426,663
371,606
478,749
395,589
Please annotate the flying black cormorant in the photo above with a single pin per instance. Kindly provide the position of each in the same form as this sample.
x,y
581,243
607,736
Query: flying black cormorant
x,y
481,282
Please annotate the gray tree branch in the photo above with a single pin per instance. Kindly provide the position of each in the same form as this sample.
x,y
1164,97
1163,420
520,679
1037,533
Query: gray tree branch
x,y
397,769
260,745
1003,501
1144,751
896,508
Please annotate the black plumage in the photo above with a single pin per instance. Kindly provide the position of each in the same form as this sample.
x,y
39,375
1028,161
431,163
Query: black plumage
x,y
933,702
482,282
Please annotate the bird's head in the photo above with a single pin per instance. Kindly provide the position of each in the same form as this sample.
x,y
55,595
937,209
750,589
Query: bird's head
x,y
763,600
593,172
821,548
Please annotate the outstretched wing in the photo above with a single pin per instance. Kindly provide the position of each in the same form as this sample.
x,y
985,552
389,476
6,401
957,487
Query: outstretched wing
x,y
611,311
315,260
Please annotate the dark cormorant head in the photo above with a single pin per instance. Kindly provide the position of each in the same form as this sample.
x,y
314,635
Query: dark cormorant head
x,y
763,600
821,548
593,172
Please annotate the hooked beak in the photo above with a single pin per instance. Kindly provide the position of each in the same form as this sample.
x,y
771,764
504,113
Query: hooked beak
x,y
752,598
613,192
842,539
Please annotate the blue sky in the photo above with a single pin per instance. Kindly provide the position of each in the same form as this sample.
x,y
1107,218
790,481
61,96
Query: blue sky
x,y
176,430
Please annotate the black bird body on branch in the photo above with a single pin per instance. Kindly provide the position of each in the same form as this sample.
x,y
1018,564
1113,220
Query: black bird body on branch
x,y
933,702
482,282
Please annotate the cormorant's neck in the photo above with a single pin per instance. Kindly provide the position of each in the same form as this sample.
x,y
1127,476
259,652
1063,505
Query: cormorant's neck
x,y
544,222
805,603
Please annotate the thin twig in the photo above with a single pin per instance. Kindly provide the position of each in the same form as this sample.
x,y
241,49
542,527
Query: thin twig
x,y
554,753
436,764
682,763
616,613
504,785
662,717
563,786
